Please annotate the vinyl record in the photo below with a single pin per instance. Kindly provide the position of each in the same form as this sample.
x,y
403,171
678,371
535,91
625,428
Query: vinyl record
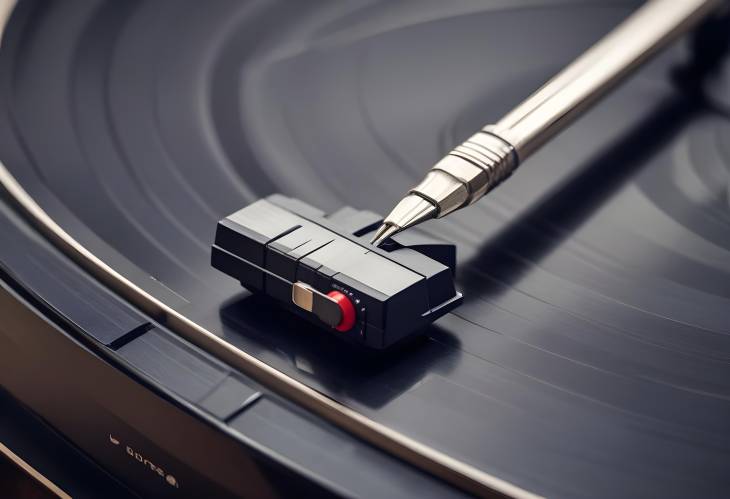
x,y
591,356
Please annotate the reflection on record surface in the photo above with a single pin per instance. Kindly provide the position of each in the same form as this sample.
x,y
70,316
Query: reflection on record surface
x,y
592,353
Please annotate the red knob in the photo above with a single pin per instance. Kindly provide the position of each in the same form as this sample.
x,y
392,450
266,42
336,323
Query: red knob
x,y
347,309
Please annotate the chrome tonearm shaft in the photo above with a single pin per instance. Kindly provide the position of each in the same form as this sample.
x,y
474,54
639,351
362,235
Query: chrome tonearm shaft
x,y
487,158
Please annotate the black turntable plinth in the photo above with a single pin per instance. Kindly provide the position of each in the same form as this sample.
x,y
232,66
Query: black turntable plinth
x,y
591,355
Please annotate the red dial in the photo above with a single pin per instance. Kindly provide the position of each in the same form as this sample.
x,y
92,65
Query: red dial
x,y
347,309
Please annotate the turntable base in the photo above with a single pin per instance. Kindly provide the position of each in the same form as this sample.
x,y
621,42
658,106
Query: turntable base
x,y
591,356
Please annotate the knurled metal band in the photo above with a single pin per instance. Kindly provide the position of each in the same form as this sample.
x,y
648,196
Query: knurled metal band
x,y
468,172
495,156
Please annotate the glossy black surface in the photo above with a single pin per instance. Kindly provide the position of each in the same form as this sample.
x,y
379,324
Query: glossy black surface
x,y
592,353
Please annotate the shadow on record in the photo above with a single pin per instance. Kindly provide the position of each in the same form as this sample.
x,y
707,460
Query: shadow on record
x,y
368,377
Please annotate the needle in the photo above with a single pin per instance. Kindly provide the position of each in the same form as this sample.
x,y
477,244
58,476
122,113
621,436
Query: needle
x,y
411,210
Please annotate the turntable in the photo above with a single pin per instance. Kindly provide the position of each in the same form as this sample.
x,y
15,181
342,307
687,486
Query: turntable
x,y
590,356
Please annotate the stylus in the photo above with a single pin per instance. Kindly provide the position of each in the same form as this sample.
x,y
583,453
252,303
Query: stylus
x,y
487,158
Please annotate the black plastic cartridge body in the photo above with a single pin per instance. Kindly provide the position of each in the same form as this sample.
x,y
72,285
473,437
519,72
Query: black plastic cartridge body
x,y
322,268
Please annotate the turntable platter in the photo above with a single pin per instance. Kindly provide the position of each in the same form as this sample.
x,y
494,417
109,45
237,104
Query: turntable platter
x,y
592,353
